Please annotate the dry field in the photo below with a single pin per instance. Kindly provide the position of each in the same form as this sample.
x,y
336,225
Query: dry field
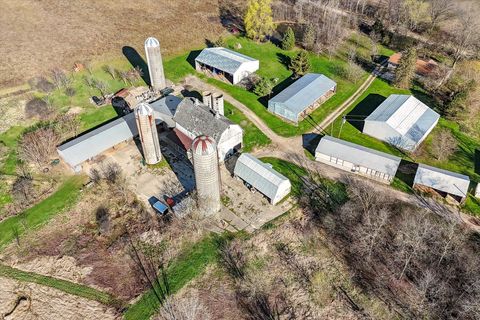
x,y
20,300
40,35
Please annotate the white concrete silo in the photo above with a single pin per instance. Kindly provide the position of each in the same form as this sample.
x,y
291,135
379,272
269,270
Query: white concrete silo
x,y
207,98
147,131
155,64
217,103
207,174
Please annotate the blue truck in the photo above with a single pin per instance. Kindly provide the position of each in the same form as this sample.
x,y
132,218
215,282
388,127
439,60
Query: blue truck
x,y
160,207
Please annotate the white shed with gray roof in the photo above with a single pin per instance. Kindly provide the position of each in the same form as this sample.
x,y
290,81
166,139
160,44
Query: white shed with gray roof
x,y
402,121
262,177
445,182
352,157
302,97
232,65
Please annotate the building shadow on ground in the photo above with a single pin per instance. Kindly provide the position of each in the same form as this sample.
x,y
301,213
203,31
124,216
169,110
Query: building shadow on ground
x,y
136,60
357,116
310,142
191,57
406,172
188,92
276,90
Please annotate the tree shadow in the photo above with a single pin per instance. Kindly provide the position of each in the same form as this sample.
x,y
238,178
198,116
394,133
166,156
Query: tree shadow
x,y
192,56
284,59
406,172
209,43
276,90
476,161
356,117
136,60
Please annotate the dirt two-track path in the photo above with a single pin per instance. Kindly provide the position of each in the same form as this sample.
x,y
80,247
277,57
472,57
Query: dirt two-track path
x,y
291,149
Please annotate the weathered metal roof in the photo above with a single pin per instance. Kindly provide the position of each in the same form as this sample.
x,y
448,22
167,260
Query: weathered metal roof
x,y
442,180
259,175
304,92
198,119
407,115
94,142
166,106
359,155
223,59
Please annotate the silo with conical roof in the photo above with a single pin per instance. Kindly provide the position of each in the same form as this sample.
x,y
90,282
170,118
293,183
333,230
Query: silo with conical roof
x,y
207,174
147,131
155,64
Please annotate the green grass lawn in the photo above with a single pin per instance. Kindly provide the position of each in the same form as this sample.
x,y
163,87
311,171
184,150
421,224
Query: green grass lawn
x,y
63,285
8,165
190,264
273,64
252,136
65,196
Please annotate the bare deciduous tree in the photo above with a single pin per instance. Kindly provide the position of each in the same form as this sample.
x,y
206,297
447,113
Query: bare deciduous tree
x,y
38,146
439,11
445,145
110,70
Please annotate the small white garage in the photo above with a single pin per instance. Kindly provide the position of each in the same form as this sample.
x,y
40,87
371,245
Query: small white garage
x,y
225,64
262,177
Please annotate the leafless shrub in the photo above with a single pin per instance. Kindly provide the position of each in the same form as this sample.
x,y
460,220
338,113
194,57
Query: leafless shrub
x,y
183,308
38,146
232,259
445,145
70,91
110,70
23,191
60,79
111,171
67,125
102,219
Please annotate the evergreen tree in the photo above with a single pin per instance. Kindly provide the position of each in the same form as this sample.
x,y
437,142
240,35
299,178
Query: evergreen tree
x,y
258,19
308,40
288,41
263,87
300,65
406,69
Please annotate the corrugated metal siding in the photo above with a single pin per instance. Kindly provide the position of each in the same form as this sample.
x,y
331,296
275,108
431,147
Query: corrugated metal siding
x,y
223,59
97,141
358,155
443,180
411,120
261,176
303,93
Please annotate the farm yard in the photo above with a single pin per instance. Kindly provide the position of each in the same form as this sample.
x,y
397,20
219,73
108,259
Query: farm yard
x,y
108,209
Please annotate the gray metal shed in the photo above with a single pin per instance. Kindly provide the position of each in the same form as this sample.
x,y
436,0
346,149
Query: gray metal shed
x,y
300,95
401,120
262,177
357,159
444,181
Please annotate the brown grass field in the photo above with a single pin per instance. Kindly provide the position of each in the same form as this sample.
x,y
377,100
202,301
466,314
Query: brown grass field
x,y
40,35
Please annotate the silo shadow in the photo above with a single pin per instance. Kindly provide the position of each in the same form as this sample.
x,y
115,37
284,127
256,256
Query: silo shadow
x,y
136,60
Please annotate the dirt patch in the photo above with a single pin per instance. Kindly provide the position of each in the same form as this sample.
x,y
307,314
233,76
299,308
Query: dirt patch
x,y
59,267
75,110
40,40
19,300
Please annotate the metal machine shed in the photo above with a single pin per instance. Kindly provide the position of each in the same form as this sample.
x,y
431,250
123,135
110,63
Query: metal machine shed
x,y
401,120
358,159
300,95
262,177
236,65
94,142
444,181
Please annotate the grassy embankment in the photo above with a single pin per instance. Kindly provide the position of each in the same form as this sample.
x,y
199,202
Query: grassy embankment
x,y
9,139
60,284
190,264
65,196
